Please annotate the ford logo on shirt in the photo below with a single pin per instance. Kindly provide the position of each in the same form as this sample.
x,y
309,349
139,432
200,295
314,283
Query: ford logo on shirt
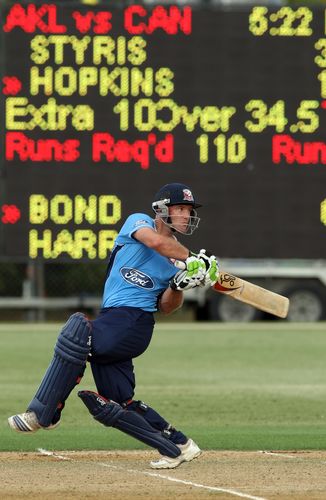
x,y
137,278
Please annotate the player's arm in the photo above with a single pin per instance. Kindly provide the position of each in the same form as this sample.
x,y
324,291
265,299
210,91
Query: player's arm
x,y
164,245
170,301
197,267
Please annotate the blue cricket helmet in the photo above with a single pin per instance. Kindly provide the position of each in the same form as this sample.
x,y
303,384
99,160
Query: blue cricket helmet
x,y
176,194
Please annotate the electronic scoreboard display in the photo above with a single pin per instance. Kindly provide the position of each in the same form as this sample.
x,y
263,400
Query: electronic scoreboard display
x,y
102,106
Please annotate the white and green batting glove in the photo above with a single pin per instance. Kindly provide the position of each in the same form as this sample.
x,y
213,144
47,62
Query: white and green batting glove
x,y
182,282
195,267
212,270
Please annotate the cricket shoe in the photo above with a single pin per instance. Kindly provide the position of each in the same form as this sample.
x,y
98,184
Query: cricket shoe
x,y
189,451
27,422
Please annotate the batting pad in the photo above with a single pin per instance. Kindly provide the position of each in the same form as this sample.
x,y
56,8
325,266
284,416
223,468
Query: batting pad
x,y
66,368
112,414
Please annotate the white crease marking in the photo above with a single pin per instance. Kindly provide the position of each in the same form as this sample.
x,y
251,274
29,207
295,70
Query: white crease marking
x,y
275,454
161,476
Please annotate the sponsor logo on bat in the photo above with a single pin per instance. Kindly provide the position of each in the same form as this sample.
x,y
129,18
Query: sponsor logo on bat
x,y
226,283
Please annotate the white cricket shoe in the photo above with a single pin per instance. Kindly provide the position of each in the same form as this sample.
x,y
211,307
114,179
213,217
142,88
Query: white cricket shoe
x,y
189,451
27,422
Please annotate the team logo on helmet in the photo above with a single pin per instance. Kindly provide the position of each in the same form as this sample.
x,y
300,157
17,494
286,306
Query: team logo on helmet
x,y
187,195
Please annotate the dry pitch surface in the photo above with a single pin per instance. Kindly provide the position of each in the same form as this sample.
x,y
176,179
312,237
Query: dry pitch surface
x,y
215,474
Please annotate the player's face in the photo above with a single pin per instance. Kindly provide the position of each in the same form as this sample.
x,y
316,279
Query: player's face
x,y
180,215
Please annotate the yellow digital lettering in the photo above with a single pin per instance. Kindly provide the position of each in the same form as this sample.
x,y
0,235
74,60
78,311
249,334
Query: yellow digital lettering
x,y
85,240
65,81
173,108
85,209
107,81
150,111
121,50
40,242
323,212
83,118
210,119
64,243
237,148
39,53
105,242
59,41
38,209
122,108
188,118
137,53
88,76
16,107
103,47
220,143
226,114
45,80
141,81
80,45
165,85
63,112
61,209
109,209
202,142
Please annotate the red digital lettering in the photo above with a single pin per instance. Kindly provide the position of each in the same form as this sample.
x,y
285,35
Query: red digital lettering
x,y
171,20
30,18
140,153
281,147
83,22
52,20
104,145
184,20
16,144
129,14
19,144
102,20
305,153
164,149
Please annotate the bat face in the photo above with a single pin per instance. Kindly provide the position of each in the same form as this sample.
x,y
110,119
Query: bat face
x,y
251,294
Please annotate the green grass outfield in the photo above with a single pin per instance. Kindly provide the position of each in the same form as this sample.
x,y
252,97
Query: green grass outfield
x,y
229,386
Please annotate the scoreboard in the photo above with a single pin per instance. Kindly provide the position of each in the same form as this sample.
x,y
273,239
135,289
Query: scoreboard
x,y
104,105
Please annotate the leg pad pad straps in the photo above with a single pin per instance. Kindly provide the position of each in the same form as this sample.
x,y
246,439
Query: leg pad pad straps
x,y
67,366
112,414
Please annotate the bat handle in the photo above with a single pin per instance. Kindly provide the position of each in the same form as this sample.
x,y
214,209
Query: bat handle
x,y
180,264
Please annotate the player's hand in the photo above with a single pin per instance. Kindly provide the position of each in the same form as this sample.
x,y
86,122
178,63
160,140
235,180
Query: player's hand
x,y
195,267
181,281
212,270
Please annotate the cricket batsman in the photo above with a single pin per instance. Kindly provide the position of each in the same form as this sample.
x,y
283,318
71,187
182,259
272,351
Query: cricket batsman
x,y
141,279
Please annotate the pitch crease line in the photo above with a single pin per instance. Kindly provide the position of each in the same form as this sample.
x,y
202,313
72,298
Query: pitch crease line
x,y
284,455
275,454
161,476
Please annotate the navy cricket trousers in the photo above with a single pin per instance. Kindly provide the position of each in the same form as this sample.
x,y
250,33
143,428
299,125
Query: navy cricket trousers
x,y
119,334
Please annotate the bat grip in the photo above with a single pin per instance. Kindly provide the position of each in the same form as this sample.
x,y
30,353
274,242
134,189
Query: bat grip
x,y
180,264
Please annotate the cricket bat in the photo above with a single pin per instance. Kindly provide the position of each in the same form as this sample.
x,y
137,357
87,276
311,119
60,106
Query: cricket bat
x,y
251,294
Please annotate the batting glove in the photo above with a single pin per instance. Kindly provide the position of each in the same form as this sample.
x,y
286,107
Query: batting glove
x,y
212,270
181,281
195,267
